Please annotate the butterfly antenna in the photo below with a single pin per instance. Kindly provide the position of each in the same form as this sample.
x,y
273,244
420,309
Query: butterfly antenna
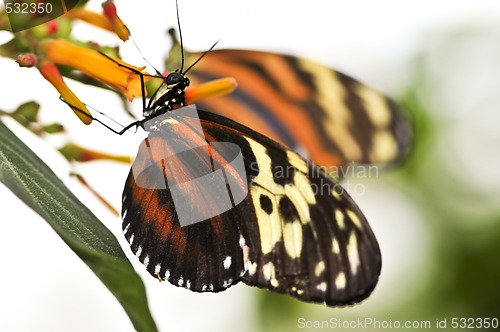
x,y
201,57
119,132
180,36
143,57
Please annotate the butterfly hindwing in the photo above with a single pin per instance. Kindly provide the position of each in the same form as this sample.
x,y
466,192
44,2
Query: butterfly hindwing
x,y
296,232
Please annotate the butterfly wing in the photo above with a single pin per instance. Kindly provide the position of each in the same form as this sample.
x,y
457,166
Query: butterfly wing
x,y
328,116
296,232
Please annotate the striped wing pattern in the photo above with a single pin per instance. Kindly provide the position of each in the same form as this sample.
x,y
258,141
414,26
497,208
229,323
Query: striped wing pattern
x,y
327,116
297,231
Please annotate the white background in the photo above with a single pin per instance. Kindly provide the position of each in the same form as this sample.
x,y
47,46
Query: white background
x,y
45,287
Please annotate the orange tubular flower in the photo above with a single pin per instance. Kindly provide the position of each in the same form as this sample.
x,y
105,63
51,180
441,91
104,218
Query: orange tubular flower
x,y
74,152
108,20
214,88
121,30
96,65
99,20
51,74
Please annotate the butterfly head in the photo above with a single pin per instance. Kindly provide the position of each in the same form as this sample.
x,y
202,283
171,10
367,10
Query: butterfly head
x,y
170,95
176,80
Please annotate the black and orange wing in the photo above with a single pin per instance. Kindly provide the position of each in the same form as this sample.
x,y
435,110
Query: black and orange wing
x,y
296,232
327,116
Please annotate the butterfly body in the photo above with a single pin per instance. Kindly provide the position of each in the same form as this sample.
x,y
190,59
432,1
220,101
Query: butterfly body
x,y
168,96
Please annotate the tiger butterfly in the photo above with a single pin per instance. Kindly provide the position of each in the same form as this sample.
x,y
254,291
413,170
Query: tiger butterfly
x,y
295,232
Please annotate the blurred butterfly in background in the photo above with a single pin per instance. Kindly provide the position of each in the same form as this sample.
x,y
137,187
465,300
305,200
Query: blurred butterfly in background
x,y
326,115
296,232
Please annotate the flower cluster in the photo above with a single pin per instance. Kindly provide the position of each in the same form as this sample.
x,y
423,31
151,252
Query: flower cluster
x,y
53,47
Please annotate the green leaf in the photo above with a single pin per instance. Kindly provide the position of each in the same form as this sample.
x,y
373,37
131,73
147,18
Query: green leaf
x,y
37,186
26,113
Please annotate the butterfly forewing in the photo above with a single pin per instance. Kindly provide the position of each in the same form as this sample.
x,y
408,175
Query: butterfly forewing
x,y
326,115
296,231
195,256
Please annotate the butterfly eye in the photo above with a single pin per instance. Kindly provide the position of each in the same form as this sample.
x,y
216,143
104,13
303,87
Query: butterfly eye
x,y
174,78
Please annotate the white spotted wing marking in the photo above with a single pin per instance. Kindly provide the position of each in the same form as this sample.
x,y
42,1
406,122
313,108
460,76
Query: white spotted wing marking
x,y
293,192
335,246
339,217
354,218
330,264
242,241
335,194
227,262
353,253
265,177
125,230
270,274
340,280
269,224
319,269
321,286
293,239
303,184
251,268
296,161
